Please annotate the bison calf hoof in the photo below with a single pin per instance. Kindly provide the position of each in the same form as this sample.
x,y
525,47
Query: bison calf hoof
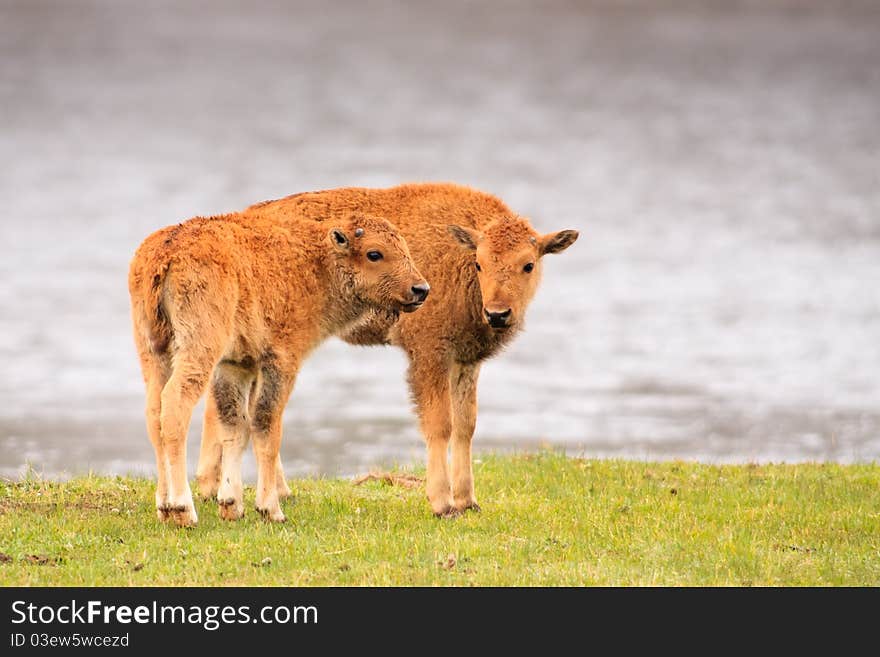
x,y
447,512
163,513
276,515
468,506
208,488
230,509
184,516
282,488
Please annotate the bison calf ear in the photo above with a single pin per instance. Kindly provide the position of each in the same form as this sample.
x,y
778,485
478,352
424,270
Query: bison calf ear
x,y
340,240
557,242
465,236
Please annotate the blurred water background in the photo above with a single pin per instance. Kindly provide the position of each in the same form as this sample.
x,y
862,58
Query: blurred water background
x,y
721,160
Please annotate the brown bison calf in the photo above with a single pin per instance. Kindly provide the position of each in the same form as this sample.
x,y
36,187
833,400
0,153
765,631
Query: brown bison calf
x,y
237,302
484,263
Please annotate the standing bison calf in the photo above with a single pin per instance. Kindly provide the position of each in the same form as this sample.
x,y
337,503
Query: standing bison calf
x,y
484,263
236,303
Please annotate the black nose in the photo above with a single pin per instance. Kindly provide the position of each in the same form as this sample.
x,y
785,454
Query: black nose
x,y
498,320
420,292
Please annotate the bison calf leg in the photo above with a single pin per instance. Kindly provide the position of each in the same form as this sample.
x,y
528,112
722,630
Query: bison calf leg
x,y
437,486
274,389
430,387
463,390
210,453
178,399
226,423
230,494
280,481
156,377
266,445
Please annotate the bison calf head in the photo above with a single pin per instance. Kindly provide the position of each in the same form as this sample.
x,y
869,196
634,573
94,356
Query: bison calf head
x,y
507,259
376,263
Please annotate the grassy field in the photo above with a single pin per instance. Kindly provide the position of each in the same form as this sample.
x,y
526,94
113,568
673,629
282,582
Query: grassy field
x,y
546,520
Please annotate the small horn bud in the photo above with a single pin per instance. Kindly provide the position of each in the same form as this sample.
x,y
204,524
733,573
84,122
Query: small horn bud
x,y
358,232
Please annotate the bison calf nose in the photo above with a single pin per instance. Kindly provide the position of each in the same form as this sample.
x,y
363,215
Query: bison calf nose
x,y
420,292
498,319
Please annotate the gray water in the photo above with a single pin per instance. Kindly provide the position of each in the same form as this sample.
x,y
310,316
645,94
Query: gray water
x,y
721,160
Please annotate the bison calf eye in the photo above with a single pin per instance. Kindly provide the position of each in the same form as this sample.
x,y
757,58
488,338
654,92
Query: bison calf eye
x,y
478,266
529,267
374,256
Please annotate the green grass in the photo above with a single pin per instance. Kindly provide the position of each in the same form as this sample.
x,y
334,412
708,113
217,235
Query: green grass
x,y
546,520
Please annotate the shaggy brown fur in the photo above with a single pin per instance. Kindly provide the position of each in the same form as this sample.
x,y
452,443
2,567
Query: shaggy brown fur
x,y
484,263
237,302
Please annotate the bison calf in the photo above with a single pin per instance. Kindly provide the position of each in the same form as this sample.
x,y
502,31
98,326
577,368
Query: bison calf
x,y
237,302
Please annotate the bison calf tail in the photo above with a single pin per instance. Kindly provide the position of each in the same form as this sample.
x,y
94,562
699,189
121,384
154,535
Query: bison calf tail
x,y
158,325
